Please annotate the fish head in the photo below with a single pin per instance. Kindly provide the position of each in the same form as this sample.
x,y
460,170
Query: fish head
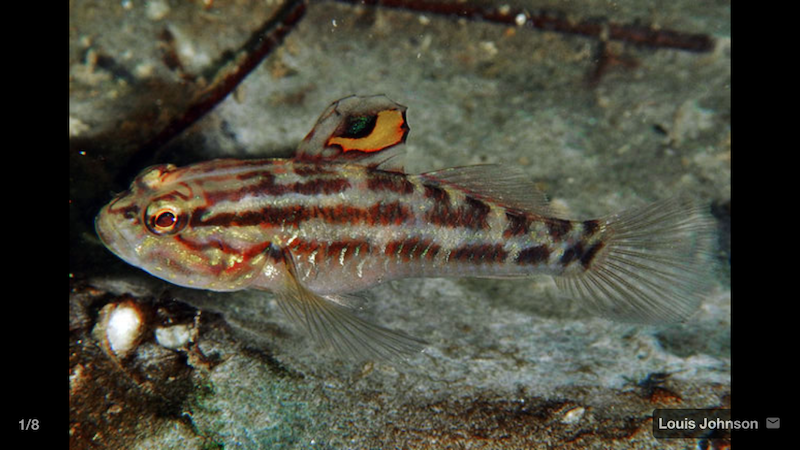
x,y
150,227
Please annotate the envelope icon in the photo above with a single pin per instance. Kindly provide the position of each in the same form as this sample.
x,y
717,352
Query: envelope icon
x,y
773,422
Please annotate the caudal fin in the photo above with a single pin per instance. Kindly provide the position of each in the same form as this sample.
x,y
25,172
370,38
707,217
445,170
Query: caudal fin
x,y
654,265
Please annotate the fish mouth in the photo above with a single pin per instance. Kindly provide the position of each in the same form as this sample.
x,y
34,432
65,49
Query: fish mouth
x,y
113,238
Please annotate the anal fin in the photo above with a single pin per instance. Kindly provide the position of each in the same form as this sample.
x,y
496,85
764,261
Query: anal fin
x,y
335,325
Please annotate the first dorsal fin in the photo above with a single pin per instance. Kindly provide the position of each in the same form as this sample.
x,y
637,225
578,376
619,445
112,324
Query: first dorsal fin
x,y
369,131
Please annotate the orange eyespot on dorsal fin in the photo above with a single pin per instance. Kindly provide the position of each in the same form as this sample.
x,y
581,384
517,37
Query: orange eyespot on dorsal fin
x,y
369,131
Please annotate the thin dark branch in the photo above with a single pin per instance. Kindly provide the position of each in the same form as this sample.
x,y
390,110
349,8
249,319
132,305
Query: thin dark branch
x,y
271,34
263,41
552,21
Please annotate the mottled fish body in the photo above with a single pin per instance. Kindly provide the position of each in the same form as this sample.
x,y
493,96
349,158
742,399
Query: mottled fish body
x,y
342,216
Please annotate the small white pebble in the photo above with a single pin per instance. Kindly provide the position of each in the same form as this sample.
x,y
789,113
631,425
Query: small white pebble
x,y
144,70
574,415
520,19
488,47
174,337
157,9
123,329
76,127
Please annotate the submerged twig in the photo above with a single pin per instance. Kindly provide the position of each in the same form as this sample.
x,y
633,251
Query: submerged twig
x,y
552,21
263,41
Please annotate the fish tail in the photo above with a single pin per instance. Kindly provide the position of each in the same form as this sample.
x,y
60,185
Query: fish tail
x,y
649,264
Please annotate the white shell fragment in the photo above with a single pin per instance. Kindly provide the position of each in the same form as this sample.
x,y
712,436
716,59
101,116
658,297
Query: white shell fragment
x,y
174,337
123,328
574,415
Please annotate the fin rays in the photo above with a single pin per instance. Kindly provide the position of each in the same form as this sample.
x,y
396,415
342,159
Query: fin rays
x,y
508,186
654,266
335,325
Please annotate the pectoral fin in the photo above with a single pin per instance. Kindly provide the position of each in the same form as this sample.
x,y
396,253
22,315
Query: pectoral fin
x,y
334,324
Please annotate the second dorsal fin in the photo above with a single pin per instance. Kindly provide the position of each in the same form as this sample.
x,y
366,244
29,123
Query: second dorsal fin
x,y
369,131
508,186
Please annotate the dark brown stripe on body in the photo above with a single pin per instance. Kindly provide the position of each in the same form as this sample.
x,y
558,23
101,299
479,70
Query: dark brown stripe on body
x,y
332,251
472,214
557,228
305,170
341,214
412,248
533,255
578,252
571,254
518,224
265,174
475,213
588,257
266,186
266,181
479,253
437,194
394,213
404,249
304,247
269,216
378,180
590,227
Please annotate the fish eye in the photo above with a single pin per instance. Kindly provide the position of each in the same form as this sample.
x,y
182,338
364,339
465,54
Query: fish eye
x,y
165,220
